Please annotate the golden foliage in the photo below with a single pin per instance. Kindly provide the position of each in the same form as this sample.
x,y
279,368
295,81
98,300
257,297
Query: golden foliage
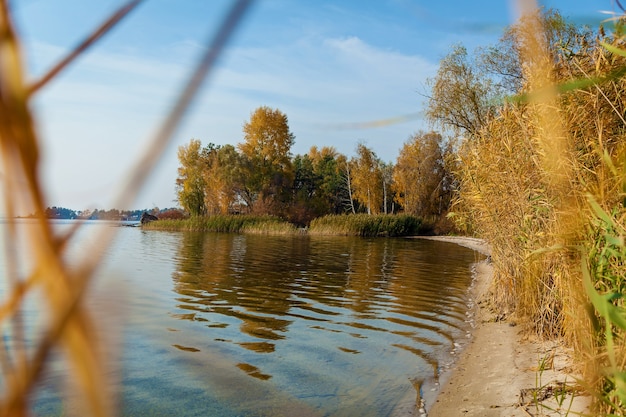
x,y
267,136
190,184
419,173
267,146
366,179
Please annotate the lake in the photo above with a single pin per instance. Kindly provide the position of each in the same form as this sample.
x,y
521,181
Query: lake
x,y
248,325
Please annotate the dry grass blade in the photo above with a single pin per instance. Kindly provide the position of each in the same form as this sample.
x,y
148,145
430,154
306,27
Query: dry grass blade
x,y
96,35
69,326
525,185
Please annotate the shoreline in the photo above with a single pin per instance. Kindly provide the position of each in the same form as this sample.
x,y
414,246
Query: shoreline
x,y
502,371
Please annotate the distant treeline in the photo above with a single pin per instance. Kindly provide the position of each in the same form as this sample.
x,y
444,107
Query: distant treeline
x,y
111,214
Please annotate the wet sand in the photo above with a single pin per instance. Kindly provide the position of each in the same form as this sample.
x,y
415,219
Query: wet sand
x,y
498,373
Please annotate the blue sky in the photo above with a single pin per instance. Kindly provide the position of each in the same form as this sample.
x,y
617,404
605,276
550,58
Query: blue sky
x,y
328,65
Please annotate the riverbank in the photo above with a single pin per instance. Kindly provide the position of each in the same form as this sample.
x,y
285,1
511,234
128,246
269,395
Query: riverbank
x,y
502,372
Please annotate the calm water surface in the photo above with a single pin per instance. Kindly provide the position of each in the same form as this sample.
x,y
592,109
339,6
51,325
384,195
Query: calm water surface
x,y
245,325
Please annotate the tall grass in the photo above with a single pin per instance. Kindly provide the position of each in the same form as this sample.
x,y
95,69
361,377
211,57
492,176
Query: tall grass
x,y
544,183
227,224
334,225
61,289
366,225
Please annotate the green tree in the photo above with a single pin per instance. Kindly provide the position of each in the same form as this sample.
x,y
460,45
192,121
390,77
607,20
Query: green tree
x,y
190,184
59,213
307,201
462,97
267,152
327,165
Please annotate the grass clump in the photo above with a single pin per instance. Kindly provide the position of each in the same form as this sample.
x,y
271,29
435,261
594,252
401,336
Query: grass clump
x,y
366,225
226,224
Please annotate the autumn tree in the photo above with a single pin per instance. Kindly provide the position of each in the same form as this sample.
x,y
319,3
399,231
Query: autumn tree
x,y
221,175
233,171
419,174
366,179
267,150
563,44
190,184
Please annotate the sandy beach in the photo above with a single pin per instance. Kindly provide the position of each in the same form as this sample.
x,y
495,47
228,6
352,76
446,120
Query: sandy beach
x,y
502,372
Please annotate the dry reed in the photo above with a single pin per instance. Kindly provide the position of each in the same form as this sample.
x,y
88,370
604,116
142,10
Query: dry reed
x,y
69,328
544,183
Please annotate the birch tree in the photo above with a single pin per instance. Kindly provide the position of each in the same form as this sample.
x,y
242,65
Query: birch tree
x,y
419,173
221,174
366,180
190,183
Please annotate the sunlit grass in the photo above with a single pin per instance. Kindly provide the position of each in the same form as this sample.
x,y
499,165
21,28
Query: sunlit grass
x,y
227,224
332,225
366,225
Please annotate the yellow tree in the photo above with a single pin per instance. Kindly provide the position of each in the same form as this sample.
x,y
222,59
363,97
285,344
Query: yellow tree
x,y
318,155
267,147
367,179
190,184
419,173
221,164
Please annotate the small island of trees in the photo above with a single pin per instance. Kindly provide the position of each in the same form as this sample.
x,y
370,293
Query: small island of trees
x,y
260,176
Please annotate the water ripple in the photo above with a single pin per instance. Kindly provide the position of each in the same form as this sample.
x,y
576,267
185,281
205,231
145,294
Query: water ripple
x,y
334,322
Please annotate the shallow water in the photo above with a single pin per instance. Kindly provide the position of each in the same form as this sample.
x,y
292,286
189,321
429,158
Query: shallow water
x,y
245,325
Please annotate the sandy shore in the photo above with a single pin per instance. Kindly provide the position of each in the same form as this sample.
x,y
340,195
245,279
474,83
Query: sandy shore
x,y
501,372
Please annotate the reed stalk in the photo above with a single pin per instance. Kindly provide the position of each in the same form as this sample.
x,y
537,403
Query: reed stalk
x,y
69,328
544,183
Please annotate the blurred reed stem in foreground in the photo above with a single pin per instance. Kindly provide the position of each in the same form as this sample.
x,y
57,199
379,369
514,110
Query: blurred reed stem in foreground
x,y
68,327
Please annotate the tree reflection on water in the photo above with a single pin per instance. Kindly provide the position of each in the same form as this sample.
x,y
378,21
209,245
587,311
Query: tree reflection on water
x,y
386,295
